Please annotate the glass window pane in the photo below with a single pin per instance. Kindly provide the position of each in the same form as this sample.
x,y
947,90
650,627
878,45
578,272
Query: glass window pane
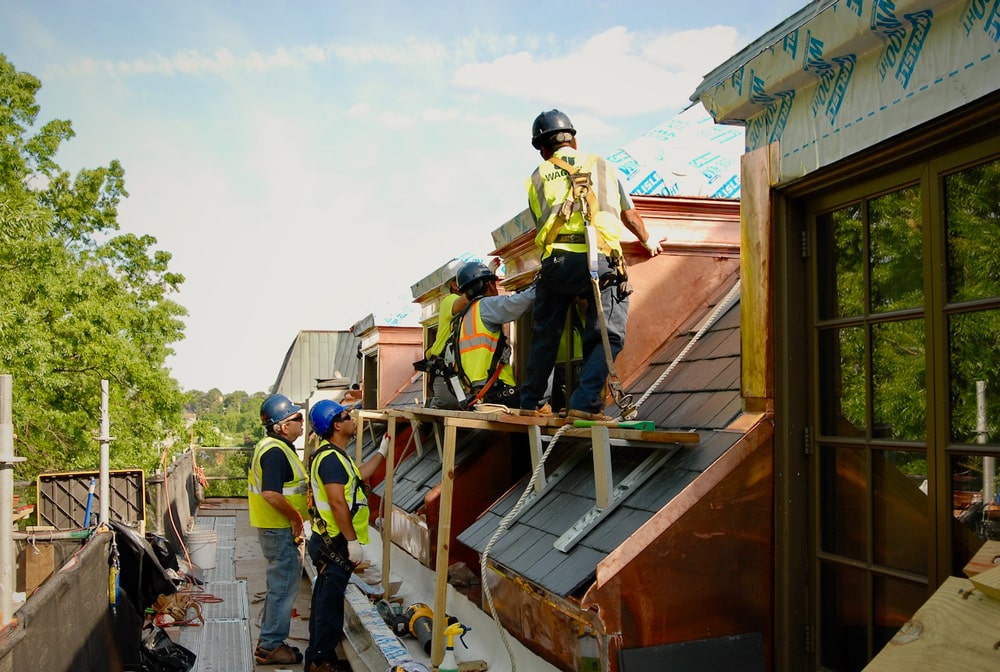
x,y
843,490
900,510
840,252
972,221
896,601
842,382
896,258
844,609
899,398
974,505
974,376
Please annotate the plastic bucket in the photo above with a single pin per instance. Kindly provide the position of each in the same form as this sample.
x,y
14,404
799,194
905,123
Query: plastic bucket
x,y
201,547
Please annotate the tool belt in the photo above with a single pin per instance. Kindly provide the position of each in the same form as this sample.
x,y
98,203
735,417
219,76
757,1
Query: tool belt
x,y
498,393
436,366
327,554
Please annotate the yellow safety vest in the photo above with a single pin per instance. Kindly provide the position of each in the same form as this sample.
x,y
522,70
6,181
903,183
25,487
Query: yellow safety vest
x,y
263,514
549,187
476,345
444,325
570,336
354,494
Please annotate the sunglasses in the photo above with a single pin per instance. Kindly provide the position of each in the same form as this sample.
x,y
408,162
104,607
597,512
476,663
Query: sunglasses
x,y
344,418
294,418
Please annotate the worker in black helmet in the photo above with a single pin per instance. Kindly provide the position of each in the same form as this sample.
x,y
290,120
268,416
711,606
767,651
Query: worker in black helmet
x,y
578,205
479,345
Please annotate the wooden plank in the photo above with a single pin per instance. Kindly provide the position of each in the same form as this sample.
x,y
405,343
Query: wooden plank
x,y
988,582
390,470
443,544
958,628
636,435
603,481
535,444
987,557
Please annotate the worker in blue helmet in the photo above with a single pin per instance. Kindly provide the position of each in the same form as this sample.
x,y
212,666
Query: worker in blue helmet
x,y
276,493
339,512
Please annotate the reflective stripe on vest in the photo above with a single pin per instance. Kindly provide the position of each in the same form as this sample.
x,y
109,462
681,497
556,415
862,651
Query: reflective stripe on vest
x,y
357,502
550,187
263,514
476,346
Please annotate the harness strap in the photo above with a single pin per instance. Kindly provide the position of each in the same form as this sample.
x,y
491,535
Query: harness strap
x,y
486,387
456,334
581,192
622,400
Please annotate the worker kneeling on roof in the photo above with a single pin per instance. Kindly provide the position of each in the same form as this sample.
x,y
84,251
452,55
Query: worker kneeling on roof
x,y
483,359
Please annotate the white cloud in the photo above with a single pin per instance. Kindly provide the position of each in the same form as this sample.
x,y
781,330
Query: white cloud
x,y
222,61
615,73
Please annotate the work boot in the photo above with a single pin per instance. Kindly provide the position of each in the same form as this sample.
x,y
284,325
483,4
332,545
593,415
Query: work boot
x,y
330,666
543,412
282,654
585,415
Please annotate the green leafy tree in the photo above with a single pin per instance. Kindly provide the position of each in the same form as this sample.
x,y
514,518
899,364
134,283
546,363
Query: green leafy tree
x,y
81,302
225,419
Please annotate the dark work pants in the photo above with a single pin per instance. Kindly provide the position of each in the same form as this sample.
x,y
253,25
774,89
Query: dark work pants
x,y
326,613
564,277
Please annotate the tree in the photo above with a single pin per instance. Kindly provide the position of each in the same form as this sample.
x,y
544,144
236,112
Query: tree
x,y
225,420
81,302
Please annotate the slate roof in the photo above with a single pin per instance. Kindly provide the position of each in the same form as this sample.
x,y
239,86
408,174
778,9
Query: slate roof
x,y
419,474
701,394
414,389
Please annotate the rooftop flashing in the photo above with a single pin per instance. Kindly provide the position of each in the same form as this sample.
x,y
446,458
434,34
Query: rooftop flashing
x,y
734,65
787,59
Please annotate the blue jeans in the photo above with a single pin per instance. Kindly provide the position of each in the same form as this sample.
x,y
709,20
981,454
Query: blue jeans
x,y
326,618
284,576
563,278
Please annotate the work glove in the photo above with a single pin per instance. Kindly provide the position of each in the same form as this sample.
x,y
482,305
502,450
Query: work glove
x,y
653,246
383,448
355,551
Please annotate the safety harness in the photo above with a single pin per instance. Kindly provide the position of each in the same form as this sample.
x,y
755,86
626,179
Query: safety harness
x,y
496,363
583,198
327,552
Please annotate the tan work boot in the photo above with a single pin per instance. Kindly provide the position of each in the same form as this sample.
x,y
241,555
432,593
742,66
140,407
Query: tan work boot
x,y
543,412
279,655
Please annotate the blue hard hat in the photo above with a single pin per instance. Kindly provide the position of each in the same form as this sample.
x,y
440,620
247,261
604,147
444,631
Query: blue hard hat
x,y
324,412
276,408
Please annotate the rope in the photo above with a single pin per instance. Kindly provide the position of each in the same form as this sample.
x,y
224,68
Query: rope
x,y
503,528
622,400
709,323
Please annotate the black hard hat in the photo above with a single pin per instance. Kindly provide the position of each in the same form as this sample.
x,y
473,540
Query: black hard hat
x,y
471,272
548,123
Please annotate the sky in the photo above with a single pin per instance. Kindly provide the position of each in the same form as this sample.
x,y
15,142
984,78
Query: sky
x,y
306,163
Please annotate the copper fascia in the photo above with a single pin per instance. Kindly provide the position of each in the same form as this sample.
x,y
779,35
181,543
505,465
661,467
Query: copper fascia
x,y
761,432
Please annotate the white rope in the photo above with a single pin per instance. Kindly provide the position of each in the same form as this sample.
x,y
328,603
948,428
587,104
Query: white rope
x,y
504,523
709,323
